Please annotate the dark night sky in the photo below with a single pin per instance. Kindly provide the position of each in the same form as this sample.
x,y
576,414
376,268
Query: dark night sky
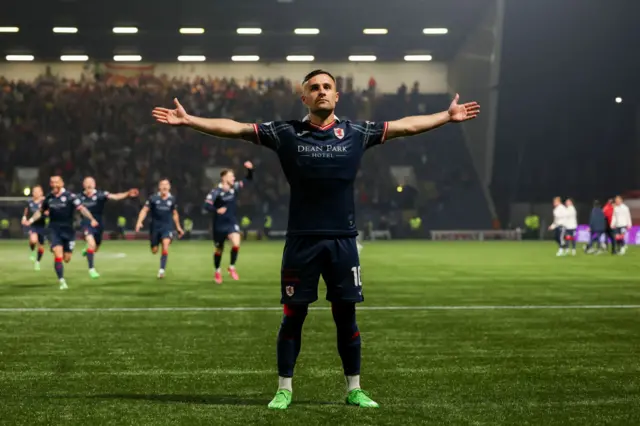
x,y
563,63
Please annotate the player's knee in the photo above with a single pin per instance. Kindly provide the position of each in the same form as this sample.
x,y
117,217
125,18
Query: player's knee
x,y
165,252
67,258
295,310
218,252
154,250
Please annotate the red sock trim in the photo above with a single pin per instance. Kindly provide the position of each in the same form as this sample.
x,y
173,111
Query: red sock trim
x,y
165,252
90,251
40,250
289,311
355,335
217,253
58,260
235,248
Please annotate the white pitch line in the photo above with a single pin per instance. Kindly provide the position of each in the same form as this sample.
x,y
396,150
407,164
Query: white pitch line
x,y
361,308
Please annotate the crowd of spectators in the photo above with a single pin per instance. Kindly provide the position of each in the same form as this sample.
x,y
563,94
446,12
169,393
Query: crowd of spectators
x,y
102,127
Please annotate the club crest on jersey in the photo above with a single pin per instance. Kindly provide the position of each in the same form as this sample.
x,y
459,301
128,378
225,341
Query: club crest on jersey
x,y
339,132
289,290
63,198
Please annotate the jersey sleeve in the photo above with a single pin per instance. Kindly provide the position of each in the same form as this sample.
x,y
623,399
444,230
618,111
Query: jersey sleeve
x,y
174,205
372,132
75,200
105,195
270,134
148,203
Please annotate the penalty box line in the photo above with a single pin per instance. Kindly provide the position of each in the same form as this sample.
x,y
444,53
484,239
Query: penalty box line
x,y
319,308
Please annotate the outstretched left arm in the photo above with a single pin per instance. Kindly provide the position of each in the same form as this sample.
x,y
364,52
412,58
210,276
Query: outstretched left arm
x,y
133,192
417,124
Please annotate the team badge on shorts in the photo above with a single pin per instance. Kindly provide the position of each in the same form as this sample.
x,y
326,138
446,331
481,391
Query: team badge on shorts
x,y
339,132
289,290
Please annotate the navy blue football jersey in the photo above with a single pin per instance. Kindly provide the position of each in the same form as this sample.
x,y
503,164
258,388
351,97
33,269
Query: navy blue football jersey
x,y
61,208
217,198
95,204
161,210
33,207
321,164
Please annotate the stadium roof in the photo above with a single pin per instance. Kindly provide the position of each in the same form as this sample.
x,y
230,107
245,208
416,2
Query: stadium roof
x,y
340,24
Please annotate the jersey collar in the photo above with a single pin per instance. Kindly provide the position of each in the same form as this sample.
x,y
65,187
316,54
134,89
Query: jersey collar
x,y
62,191
307,119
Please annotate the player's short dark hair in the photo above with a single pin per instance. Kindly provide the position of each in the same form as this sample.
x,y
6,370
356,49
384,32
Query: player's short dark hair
x,y
317,72
225,172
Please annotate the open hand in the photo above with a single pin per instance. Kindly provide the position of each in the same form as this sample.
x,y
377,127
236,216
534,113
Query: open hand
x,y
464,112
133,192
174,117
248,165
94,223
138,227
221,210
180,233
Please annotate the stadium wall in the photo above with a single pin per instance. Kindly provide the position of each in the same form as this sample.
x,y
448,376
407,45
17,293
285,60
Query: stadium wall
x,y
432,76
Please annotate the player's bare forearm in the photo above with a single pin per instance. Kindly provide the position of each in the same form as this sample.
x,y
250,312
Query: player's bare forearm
x,y
37,215
86,213
221,127
142,215
414,125
176,221
119,196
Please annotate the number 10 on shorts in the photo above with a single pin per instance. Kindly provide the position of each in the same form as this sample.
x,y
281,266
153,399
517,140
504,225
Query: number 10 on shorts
x,y
357,278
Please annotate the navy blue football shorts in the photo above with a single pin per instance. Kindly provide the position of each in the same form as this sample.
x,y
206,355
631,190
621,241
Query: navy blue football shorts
x,y
64,238
306,258
157,235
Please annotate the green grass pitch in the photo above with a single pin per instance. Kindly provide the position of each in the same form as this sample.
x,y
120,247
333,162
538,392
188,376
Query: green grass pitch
x,y
573,364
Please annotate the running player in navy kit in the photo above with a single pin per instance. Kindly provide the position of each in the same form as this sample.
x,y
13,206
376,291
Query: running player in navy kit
x,y
61,205
37,231
320,157
164,215
221,202
95,200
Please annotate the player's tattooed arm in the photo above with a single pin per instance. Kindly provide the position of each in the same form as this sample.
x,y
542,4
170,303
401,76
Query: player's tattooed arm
x,y
141,217
220,127
86,213
37,215
415,125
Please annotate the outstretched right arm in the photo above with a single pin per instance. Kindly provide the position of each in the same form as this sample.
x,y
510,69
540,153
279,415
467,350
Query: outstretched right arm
x,y
220,127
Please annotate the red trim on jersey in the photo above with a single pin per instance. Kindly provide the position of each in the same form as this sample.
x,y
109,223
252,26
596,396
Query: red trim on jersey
x,y
255,129
384,134
327,127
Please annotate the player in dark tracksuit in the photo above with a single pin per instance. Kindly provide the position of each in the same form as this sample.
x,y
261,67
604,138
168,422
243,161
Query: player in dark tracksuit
x,y
320,157
94,200
37,231
597,226
61,205
222,204
164,220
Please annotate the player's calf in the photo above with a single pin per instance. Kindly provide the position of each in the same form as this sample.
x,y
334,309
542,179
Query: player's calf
x,y
217,260
349,348
288,348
